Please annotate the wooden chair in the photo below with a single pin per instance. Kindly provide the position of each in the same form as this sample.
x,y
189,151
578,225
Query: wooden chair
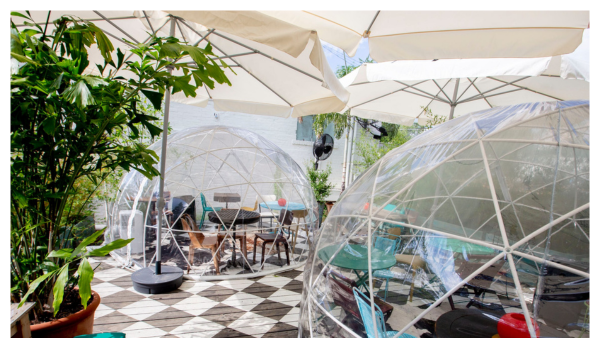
x,y
299,214
341,291
240,235
271,238
415,262
250,208
200,241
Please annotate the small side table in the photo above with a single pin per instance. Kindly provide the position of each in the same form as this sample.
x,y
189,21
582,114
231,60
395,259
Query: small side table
x,y
19,320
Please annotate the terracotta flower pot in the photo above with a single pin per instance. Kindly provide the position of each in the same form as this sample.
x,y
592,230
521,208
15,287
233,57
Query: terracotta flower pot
x,y
329,206
79,323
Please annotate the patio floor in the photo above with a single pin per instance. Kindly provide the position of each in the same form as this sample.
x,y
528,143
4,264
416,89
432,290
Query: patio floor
x,y
258,307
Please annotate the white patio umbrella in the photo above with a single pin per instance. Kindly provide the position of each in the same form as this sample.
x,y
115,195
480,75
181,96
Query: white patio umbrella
x,y
427,35
398,92
272,79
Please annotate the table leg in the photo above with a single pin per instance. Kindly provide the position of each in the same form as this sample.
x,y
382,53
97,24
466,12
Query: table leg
x,y
361,279
233,258
260,219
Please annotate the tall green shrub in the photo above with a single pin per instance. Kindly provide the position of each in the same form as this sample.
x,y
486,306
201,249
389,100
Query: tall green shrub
x,y
63,127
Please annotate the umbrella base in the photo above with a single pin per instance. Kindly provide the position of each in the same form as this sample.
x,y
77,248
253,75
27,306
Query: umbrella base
x,y
146,281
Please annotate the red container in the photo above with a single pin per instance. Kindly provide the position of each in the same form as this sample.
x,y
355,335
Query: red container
x,y
513,325
281,202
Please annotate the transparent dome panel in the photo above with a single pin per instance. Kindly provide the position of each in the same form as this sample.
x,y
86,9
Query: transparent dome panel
x,y
476,228
235,205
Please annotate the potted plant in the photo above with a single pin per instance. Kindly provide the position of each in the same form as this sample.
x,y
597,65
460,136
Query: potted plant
x,y
70,128
320,185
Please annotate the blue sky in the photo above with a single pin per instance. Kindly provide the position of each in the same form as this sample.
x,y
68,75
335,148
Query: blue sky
x,y
335,56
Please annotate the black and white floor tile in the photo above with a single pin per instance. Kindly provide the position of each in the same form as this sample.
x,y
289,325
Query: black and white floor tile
x,y
258,307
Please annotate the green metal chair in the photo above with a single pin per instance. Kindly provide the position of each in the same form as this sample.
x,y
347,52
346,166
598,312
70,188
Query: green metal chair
x,y
205,209
370,327
389,246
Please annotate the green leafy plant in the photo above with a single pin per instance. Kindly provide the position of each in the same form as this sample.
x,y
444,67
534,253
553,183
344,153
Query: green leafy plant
x,y
369,151
319,181
81,275
69,127
434,119
341,121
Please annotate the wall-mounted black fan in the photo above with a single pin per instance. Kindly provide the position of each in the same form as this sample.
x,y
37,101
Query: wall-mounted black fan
x,y
322,148
374,127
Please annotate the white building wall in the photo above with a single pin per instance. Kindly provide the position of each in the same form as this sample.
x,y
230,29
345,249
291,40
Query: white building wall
x,y
281,131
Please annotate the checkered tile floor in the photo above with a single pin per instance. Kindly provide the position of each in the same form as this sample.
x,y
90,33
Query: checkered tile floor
x,y
258,307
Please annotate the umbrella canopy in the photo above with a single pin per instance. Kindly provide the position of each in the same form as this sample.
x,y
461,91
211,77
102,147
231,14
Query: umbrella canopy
x,y
271,79
400,91
427,35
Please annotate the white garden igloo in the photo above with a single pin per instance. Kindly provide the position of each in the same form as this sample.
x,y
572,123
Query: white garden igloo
x,y
236,206
476,228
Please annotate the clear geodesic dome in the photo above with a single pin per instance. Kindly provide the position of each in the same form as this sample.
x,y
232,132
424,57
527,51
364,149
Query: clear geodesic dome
x,y
477,227
236,205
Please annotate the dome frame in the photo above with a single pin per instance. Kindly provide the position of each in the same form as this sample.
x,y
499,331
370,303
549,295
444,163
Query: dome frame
x,y
428,155
201,162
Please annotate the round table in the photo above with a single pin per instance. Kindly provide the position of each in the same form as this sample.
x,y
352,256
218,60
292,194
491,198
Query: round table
x,y
355,257
274,205
233,217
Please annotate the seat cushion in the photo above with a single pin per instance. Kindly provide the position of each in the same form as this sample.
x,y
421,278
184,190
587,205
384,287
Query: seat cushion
x,y
269,237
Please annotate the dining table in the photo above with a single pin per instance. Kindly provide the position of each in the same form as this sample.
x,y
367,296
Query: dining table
x,y
355,257
274,205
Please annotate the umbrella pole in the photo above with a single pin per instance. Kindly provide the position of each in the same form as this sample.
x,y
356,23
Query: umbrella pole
x,y
169,278
345,157
163,157
453,104
351,160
